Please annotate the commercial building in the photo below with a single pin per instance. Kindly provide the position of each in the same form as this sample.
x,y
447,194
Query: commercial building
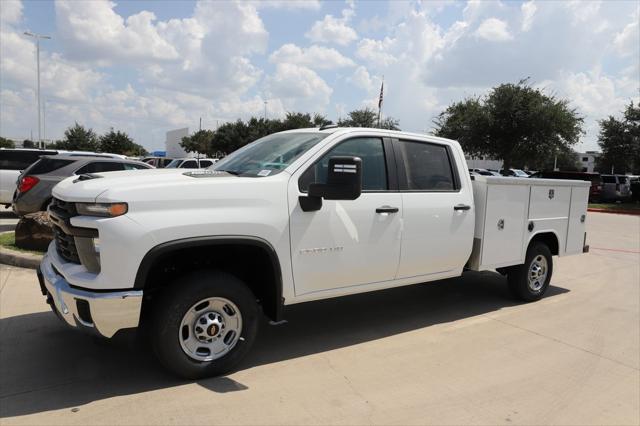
x,y
172,143
588,160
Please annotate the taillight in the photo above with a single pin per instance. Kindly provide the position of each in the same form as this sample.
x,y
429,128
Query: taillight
x,y
27,182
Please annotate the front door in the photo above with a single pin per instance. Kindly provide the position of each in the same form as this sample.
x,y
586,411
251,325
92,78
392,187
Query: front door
x,y
346,243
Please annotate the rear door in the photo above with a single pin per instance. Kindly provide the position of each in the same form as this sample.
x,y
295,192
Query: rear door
x,y
437,210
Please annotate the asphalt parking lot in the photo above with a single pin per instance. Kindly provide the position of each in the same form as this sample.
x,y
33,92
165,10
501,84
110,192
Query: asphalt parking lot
x,y
458,351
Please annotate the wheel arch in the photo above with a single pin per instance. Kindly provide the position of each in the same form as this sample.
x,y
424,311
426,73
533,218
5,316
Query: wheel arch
x,y
270,298
548,237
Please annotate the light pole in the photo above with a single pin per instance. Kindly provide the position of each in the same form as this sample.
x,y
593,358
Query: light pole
x,y
265,110
38,37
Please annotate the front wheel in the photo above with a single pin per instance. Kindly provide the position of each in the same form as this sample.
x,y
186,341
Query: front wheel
x,y
529,282
204,325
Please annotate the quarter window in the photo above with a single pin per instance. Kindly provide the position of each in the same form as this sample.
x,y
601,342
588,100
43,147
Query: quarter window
x,y
374,169
427,167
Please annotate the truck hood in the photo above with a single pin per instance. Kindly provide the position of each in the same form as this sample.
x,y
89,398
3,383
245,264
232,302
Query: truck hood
x,y
134,185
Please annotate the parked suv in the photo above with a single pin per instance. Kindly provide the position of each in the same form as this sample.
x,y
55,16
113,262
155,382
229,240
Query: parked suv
x,y
36,182
191,163
12,163
615,187
595,191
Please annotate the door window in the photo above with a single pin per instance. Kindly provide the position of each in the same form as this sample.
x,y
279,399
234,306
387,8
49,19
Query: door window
x,y
99,167
374,169
427,167
189,164
205,163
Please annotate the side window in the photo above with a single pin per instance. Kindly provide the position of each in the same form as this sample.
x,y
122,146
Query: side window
x,y
18,160
205,163
131,166
374,169
189,164
99,167
427,166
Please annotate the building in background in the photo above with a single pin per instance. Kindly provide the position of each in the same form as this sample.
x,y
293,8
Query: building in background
x,y
588,160
172,143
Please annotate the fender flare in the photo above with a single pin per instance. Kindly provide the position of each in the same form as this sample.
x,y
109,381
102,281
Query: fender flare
x,y
167,247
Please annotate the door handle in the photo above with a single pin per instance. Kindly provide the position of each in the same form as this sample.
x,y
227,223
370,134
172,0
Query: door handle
x,y
387,209
461,207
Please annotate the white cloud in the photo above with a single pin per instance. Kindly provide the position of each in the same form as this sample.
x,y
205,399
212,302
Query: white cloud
x,y
94,30
299,88
494,29
333,30
376,52
361,78
627,41
528,12
315,57
288,4
11,12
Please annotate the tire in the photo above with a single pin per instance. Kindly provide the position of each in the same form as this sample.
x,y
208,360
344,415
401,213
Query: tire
x,y
538,261
230,304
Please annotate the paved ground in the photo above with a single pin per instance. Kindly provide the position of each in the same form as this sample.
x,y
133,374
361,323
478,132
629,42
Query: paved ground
x,y
8,220
452,352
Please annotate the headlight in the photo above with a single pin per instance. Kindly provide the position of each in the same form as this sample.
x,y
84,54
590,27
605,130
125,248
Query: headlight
x,y
102,209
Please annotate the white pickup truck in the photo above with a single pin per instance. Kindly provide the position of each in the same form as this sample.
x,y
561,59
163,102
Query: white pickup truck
x,y
195,256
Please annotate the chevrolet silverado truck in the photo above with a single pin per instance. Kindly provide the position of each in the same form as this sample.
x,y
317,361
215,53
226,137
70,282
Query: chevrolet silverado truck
x,y
194,258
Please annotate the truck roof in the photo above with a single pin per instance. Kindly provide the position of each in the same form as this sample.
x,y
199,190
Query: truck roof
x,y
382,132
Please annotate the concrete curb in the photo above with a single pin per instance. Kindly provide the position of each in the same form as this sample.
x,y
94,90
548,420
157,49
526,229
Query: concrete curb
x,y
20,259
630,212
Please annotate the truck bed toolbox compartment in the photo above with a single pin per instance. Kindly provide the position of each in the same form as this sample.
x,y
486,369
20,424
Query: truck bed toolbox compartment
x,y
511,211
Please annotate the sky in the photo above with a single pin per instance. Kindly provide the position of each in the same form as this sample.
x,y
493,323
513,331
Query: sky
x,y
147,67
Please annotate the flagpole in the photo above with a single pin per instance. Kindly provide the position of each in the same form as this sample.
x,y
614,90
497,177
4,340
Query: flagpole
x,y
380,101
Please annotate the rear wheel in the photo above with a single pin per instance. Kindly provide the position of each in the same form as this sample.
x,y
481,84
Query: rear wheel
x,y
529,282
204,325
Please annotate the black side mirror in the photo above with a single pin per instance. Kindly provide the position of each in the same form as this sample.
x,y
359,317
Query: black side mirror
x,y
344,182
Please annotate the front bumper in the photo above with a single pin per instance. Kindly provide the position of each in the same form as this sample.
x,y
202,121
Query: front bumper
x,y
103,312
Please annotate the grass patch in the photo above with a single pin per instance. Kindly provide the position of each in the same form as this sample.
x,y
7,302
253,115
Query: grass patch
x,y
616,206
8,240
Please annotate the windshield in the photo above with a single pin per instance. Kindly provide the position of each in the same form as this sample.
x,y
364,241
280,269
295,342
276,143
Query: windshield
x,y
268,155
173,164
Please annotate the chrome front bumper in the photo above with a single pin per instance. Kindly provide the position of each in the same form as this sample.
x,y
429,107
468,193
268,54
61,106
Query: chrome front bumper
x,y
101,312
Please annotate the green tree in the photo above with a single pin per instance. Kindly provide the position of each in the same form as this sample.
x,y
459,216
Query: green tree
x,y
6,143
200,142
117,142
368,118
515,123
77,138
28,143
620,142
233,135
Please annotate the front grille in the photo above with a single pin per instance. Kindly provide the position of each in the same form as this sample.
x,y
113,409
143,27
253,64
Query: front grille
x,y
66,245
61,212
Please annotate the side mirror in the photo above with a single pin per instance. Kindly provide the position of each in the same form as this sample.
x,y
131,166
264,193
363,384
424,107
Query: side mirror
x,y
344,182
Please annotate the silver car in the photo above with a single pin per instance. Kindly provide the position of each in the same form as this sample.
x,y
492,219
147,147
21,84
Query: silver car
x,y
36,182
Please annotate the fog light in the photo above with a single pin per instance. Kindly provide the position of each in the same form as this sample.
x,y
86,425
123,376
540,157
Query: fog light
x,y
96,246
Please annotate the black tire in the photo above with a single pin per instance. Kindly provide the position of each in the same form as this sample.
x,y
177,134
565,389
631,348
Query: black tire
x,y
518,276
172,304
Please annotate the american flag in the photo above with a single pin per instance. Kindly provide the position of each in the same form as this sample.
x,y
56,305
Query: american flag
x,y
381,95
